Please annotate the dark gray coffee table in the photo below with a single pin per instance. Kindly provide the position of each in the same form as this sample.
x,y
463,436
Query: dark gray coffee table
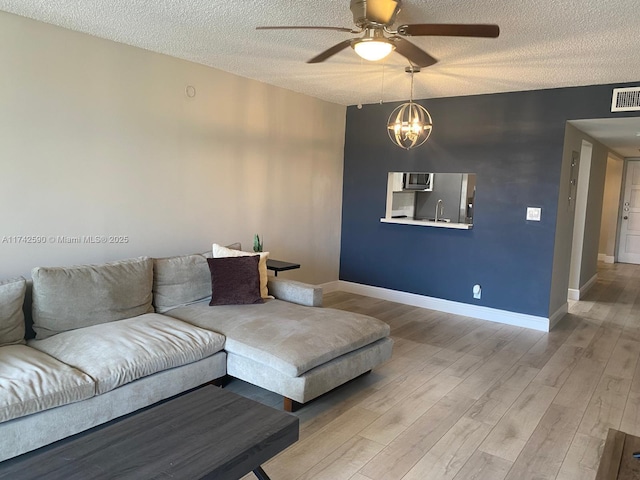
x,y
208,433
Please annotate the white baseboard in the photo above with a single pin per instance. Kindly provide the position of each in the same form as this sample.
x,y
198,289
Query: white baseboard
x,y
575,294
603,257
483,313
330,287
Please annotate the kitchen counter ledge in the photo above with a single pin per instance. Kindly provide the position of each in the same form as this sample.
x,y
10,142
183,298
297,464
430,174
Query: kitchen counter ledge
x,y
427,223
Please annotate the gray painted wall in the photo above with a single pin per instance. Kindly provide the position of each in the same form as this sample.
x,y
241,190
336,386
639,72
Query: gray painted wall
x,y
591,242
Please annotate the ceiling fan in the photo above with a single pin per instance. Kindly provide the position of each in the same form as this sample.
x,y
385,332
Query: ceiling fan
x,y
374,19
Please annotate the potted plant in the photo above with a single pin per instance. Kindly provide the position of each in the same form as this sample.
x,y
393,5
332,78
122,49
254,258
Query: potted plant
x,y
257,244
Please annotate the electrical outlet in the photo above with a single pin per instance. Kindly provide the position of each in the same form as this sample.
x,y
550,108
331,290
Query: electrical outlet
x,y
477,291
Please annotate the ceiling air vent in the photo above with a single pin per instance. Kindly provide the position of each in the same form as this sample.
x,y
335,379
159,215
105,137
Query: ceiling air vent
x,y
625,99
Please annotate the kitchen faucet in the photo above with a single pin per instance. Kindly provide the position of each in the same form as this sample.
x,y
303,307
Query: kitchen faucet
x,y
439,209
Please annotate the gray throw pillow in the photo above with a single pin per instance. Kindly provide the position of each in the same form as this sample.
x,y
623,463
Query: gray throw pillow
x,y
11,315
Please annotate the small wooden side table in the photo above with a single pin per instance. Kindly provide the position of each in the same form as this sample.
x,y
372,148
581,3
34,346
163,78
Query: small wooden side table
x,y
280,266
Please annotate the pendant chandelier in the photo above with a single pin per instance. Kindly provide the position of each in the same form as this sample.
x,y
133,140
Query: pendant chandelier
x,y
410,124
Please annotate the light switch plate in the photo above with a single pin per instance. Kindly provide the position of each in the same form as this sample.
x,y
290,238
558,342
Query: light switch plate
x,y
534,213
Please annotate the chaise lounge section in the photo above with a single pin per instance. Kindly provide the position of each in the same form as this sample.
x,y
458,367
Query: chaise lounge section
x,y
298,351
289,344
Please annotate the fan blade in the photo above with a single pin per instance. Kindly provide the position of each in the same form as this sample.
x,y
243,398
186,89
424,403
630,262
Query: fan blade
x,y
339,29
449,30
415,55
330,52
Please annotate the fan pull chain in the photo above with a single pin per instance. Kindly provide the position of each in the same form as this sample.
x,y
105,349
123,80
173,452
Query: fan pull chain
x,y
361,84
382,85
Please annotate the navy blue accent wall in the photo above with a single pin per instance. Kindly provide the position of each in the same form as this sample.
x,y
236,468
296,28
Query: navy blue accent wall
x,y
513,142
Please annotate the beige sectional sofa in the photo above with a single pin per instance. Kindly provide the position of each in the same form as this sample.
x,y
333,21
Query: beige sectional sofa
x,y
113,338
78,373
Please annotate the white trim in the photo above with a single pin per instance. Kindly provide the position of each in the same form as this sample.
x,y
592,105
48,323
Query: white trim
x,y
575,294
483,313
426,223
603,257
330,287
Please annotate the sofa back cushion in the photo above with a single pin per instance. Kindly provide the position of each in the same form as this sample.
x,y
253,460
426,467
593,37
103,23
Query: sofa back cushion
x,y
180,281
11,315
66,298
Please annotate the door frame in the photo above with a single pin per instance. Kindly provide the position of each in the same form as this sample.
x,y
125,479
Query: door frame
x,y
623,187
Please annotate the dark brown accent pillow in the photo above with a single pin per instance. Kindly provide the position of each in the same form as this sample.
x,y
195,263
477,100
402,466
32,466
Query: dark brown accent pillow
x,y
235,280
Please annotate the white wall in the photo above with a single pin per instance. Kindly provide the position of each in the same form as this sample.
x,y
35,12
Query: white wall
x,y
589,268
99,138
560,283
610,208
564,224
580,215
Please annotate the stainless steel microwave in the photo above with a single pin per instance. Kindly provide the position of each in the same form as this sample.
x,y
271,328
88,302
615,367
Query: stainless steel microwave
x,y
417,181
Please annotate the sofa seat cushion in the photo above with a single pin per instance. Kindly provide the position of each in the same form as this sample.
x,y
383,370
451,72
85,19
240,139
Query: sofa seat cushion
x,y
119,352
287,337
31,381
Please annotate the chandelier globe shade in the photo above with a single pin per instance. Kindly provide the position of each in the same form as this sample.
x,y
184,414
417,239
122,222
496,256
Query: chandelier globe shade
x,y
409,124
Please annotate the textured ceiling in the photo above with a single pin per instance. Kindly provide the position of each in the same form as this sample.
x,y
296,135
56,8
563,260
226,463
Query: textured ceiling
x,y
543,43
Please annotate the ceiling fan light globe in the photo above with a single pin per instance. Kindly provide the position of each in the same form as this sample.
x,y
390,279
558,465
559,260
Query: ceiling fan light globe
x,y
373,50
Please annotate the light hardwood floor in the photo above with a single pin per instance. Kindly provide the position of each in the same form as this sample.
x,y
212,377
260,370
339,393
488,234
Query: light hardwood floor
x,y
468,399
